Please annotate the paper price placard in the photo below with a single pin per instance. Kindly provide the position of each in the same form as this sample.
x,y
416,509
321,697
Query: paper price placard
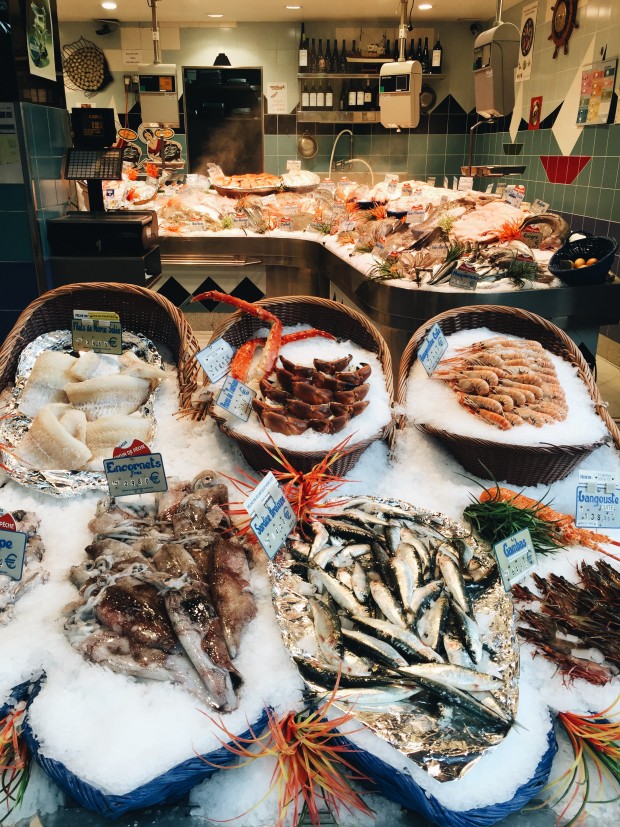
x,y
236,398
273,518
597,500
433,348
98,331
12,548
215,359
142,474
516,557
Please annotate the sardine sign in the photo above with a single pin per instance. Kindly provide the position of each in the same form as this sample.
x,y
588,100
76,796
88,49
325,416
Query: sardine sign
x,y
516,557
273,518
432,349
12,548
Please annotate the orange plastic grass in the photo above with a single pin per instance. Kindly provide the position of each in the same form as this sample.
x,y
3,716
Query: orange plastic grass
x,y
510,230
14,760
595,741
310,767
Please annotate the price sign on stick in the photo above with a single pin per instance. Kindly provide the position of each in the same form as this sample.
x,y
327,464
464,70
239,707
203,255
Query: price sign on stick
x,y
12,548
215,359
432,349
597,500
98,331
273,519
516,557
134,470
236,398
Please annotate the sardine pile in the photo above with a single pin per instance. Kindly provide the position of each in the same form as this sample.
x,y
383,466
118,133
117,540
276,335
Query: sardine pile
x,y
33,572
385,599
165,595
506,382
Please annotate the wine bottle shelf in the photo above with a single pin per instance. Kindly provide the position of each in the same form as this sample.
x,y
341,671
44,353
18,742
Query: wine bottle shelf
x,y
319,116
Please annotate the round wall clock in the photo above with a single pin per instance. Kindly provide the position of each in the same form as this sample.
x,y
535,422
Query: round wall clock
x,y
562,24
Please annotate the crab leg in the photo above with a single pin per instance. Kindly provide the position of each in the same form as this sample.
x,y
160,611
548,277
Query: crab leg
x,y
272,345
243,357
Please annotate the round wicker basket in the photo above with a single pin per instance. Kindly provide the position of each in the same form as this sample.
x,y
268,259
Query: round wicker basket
x,y
517,464
324,314
139,309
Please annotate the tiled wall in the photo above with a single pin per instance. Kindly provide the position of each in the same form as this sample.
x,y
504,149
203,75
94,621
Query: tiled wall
x,y
592,200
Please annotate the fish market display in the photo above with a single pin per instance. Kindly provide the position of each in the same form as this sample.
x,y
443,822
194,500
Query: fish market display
x,y
506,382
247,182
66,413
33,572
407,613
164,595
301,179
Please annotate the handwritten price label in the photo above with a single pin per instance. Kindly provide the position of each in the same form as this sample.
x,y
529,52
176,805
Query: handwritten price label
x,y
215,359
433,348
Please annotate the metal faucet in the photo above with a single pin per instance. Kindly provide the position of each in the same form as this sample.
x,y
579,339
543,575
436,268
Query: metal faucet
x,y
338,136
471,138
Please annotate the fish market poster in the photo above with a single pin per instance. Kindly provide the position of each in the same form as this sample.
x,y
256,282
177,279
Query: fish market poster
x,y
40,37
597,90
526,47
277,99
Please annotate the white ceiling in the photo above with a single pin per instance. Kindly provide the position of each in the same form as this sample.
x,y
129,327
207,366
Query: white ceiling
x,y
194,11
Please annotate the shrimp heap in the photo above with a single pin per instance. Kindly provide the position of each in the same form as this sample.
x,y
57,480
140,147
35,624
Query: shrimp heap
x,y
506,382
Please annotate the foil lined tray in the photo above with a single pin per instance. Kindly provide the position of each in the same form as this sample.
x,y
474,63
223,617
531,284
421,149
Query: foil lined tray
x,y
440,740
14,425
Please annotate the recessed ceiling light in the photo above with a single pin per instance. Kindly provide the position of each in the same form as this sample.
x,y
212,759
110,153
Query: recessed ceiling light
x,y
108,5
215,15
293,7
425,7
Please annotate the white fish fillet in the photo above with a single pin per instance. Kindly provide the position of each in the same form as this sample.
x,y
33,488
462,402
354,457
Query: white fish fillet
x,y
134,366
90,365
106,433
74,422
108,395
48,446
50,373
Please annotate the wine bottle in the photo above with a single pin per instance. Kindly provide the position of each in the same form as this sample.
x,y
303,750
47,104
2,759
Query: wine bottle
x,y
320,58
360,96
395,51
437,59
303,52
305,96
411,52
328,58
352,99
425,57
368,96
343,59
386,51
313,96
329,97
335,58
418,54
320,97
313,57
343,102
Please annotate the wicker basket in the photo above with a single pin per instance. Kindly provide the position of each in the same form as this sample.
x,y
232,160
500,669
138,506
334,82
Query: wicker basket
x,y
517,464
324,314
140,310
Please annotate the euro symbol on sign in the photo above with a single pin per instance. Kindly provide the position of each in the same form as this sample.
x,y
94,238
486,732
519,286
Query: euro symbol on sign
x,y
155,478
113,341
10,560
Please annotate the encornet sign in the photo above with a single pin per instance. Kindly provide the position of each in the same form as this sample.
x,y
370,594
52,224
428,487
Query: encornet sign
x,y
277,99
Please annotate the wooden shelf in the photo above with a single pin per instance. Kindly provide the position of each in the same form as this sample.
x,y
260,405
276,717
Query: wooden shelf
x,y
356,75
335,116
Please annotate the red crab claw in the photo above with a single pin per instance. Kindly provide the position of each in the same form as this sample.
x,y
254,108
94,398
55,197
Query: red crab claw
x,y
272,345
242,359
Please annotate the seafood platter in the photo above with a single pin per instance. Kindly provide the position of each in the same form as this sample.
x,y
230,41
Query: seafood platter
x,y
382,619
409,234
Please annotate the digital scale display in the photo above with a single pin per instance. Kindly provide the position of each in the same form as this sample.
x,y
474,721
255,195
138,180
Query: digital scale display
x,y
395,83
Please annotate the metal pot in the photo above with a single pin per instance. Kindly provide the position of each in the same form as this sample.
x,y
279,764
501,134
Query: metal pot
x,y
307,145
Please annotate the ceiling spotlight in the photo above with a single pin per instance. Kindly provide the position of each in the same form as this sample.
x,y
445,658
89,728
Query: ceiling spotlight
x,y
293,7
215,15
108,4
425,7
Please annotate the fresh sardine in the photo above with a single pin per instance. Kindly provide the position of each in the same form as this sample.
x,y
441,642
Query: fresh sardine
x,y
434,622
385,600
469,680
468,630
340,593
327,629
359,582
403,640
373,648
454,582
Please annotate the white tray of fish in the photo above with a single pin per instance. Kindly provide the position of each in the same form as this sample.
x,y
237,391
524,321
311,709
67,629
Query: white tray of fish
x,y
23,404
406,613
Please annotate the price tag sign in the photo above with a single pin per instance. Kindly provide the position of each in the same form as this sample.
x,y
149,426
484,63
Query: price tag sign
x,y
597,500
516,557
273,519
445,182
236,398
269,199
514,195
215,359
539,207
533,238
100,332
293,166
378,250
466,182
347,226
131,471
464,278
12,548
433,348
431,181
489,188
416,214
240,221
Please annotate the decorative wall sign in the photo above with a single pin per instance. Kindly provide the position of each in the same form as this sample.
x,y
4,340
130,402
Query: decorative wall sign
x,y
597,90
562,24
40,39
535,113
277,99
526,47
158,141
